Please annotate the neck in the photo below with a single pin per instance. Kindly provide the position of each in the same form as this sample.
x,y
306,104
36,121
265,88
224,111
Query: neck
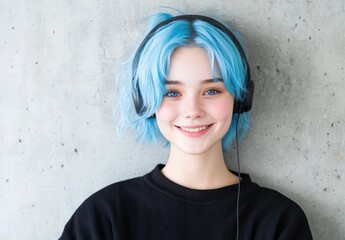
x,y
199,171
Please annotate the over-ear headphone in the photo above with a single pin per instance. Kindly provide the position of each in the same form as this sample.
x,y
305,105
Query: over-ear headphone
x,y
239,106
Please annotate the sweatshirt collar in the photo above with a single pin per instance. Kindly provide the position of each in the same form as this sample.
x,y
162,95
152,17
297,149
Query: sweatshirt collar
x,y
157,180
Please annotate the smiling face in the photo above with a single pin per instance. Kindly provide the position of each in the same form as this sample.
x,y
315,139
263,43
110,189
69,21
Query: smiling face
x,y
196,111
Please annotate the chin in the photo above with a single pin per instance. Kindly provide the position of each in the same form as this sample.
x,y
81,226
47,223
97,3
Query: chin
x,y
196,149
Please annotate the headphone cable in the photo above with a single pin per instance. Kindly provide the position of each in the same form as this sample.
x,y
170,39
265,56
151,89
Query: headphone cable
x,y
239,184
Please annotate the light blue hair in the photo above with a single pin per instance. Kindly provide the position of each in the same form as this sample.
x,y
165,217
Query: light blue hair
x,y
149,73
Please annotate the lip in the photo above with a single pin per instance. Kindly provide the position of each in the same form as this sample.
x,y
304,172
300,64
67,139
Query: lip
x,y
194,131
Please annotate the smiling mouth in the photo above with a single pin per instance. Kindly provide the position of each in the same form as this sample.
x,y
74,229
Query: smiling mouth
x,y
194,129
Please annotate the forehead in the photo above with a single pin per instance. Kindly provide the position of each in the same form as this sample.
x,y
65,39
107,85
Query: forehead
x,y
190,63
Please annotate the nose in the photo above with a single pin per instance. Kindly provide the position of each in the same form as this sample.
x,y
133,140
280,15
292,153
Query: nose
x,y
193,108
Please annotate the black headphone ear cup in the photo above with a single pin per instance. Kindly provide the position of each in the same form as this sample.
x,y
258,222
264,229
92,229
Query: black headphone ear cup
x,y
249,97
237,107
246,104
137,100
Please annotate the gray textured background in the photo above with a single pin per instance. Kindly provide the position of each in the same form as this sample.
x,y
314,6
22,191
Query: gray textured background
x,y
58,142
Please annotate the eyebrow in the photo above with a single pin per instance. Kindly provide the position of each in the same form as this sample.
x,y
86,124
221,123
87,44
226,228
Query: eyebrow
x,y
175,82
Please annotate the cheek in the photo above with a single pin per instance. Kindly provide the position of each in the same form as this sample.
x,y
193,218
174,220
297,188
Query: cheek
x,y
166,112
223,109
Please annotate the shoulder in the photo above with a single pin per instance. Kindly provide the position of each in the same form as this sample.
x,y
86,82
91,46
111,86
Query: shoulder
x,y
106,196
272,199
264,199
100,211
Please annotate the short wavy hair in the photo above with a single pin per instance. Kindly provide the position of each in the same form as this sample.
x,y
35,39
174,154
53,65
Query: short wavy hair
x,y
153,67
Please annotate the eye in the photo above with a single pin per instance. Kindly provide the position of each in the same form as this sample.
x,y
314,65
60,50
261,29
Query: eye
x,y
172,94
211,92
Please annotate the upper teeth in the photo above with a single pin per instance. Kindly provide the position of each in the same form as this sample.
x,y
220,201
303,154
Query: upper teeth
x,y
193,129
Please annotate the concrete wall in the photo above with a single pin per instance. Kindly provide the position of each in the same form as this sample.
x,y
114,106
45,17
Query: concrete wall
x,y
58,142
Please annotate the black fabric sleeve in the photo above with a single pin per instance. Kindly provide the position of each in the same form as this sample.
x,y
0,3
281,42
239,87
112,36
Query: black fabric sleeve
x,y
91,221
293,224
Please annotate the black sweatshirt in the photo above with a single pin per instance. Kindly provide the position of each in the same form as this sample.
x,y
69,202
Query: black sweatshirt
x,y
154,208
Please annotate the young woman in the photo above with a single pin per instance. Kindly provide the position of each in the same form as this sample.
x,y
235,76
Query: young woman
x,y
188,84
